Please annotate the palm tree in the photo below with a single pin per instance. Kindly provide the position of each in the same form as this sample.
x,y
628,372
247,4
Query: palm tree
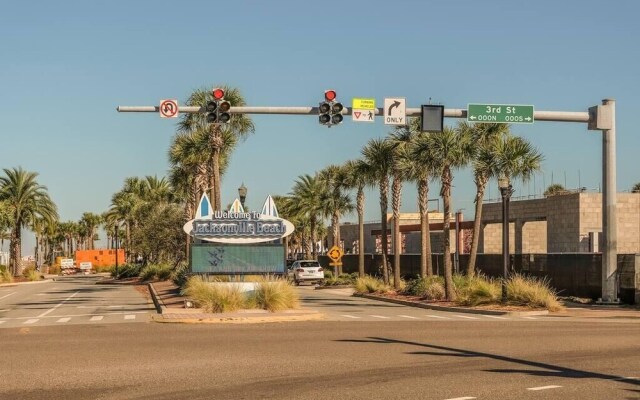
x,y
335,202
359,175
515,157
485,137
90,222
28,200
5,223
400,171
421,170
239,126
308,192
451,150
378,153
554,190
636,188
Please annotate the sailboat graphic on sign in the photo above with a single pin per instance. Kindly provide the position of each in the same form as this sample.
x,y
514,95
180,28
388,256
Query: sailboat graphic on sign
x,y
269,207
204,210
236,207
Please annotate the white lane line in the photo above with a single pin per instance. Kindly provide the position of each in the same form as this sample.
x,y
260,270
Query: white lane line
x,y
350,316
463,398
31,321
7,295
494,316
465,316
437,316
66,319
2,322
96,318
529,318
379,316
57,305
544,387
131,316
408,316
627,378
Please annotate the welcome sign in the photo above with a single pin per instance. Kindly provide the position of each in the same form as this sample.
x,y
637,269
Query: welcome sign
x,y
236,225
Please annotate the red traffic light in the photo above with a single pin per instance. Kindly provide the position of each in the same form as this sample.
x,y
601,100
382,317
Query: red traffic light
x,y
329,95
218,94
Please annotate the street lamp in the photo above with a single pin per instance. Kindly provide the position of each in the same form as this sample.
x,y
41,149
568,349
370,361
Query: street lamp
x,y
242,192
505,190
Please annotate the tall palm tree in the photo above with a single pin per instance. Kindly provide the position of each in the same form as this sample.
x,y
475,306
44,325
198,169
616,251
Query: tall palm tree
x,y
485,136
516,157
359,175
90,222
421,170
335,201
28,200
451,150
239,126
378,153
400,171
308,192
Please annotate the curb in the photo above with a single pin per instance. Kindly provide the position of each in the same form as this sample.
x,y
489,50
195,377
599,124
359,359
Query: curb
x,y
453,309
25,283
157,301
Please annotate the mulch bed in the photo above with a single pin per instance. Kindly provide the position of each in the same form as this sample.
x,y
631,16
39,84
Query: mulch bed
x,y
443,303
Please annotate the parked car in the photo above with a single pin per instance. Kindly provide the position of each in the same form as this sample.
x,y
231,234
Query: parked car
x,y
305,271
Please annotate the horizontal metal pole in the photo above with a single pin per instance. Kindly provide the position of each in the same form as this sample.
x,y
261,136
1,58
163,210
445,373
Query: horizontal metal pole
x,y
561,116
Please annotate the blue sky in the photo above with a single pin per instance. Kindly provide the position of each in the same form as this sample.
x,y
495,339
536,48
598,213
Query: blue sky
x,y
65,66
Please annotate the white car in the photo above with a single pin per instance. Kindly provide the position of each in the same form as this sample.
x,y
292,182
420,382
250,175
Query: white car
x,y
305,271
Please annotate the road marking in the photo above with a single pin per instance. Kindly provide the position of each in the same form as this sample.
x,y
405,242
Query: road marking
x,y
2,322
529,318
407,316
463,398
464,316
7,295
131,316
379,316
350,316
494,316
31,321
66,319
57,305
437,316
96,318
544,387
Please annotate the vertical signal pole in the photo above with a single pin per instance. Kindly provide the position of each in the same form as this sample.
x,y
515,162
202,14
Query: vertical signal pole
x,y
609,217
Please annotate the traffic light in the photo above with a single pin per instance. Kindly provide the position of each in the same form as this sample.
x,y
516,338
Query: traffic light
x,y
218,109
432,118
330,110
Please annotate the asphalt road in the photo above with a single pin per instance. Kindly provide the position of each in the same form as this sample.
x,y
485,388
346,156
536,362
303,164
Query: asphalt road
x,y
71,300
323,360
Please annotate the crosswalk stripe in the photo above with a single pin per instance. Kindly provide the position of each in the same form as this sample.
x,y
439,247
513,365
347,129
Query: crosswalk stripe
x,y
350,316
466,316
437,316
2,322
529,318
379,316
494,316
407,316
131,316
31,321
96,318
66,319
544,387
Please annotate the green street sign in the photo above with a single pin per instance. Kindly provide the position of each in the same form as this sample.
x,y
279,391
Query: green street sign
x,y
500,113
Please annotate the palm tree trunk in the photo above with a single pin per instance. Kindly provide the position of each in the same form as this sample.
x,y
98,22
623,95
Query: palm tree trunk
x,y
481,183
446,251
14,252
384,190
312,227
360,207
425,233
396,193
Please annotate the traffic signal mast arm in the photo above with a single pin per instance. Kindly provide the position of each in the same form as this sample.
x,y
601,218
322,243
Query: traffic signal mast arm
x,y
566,116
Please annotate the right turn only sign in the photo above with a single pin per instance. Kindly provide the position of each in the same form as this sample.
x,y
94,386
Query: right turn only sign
x,y
395,111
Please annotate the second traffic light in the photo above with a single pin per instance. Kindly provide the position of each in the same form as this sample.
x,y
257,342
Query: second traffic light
x,y
218,109
330,110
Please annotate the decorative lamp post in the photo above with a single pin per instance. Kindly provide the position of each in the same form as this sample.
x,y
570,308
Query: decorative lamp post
x,y
242,192
505,191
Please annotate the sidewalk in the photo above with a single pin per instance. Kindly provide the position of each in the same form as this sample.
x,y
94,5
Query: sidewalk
x,y
170,305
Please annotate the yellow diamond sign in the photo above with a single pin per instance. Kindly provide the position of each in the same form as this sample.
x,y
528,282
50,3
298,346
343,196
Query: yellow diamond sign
x,y
335,253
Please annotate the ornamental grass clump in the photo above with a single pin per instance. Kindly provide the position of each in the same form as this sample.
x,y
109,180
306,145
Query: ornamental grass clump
x,y
5,276
156,271
215,297
34,275
478,290
427,288
532,292
370,284
274,295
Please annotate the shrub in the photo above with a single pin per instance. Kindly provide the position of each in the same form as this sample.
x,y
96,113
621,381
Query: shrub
x,y
5,276
370,284
155,271
180,274
28,271
274,295
54,269
532,292
342,279
127,271
477,290
102,268
430,288
214,298
33,275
